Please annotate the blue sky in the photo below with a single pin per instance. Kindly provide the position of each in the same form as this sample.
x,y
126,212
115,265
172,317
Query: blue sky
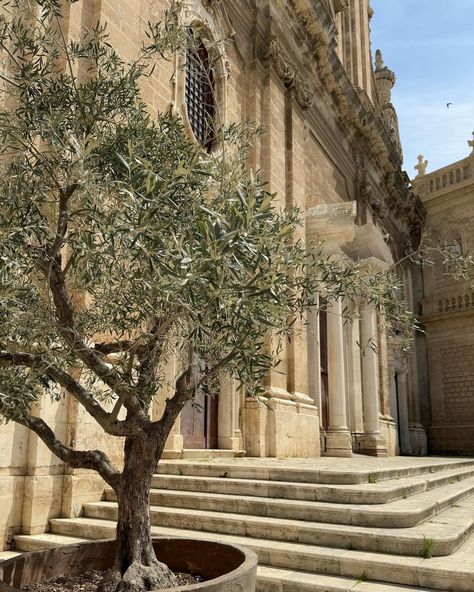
x,y
429,44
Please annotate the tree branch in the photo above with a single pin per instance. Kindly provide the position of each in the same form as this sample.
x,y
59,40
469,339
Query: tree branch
x,y
64,197
65,313
103,418
114,347
77,459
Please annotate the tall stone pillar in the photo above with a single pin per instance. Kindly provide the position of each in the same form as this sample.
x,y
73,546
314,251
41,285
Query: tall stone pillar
x,y
355,379
372,442
338,437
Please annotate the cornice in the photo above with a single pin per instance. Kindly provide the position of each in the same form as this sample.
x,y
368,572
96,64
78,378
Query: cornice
x,y
357,113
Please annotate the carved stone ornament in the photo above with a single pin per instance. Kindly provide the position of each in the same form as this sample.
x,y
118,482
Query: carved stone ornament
x,y
340,213
378,207
421,166
286,71
283,66
303,94
218,10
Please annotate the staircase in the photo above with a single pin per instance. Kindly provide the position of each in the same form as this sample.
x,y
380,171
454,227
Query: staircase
x,y
328,525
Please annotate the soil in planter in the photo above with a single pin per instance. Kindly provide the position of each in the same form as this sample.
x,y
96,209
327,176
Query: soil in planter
x,y
89,582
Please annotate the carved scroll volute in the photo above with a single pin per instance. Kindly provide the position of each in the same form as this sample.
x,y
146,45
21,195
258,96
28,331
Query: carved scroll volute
x,y
280,61
217,8
286,71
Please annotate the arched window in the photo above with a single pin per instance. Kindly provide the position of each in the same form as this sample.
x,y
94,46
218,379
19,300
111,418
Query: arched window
x,y
200,91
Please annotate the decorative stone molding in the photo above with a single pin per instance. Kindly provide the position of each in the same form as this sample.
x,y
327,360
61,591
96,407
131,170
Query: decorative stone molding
x,y
219,12
445,179
283,66
369,124
209,18
332,223
303,93
287,71
370,243
341,213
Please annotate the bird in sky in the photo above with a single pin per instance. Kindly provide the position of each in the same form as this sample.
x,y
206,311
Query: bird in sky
x,y
448,105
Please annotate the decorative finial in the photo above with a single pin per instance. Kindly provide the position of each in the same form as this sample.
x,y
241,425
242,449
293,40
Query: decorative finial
x,y
422,164
379,63
471,143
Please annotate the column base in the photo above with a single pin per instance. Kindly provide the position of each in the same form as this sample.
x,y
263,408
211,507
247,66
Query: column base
x,y
373,446
229,443
338,444
418,440
173,447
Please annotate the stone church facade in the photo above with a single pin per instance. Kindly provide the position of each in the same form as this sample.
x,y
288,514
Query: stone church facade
x,y
304,71
448,307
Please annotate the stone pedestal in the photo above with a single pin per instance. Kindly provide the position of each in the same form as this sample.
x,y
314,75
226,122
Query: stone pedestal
x,y
279,426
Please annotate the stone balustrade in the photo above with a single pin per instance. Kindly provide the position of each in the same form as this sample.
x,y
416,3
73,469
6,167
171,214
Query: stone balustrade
x,y
456,302
450,176
445,178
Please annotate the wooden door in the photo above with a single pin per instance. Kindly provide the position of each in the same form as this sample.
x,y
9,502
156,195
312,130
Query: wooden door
x,y
199,422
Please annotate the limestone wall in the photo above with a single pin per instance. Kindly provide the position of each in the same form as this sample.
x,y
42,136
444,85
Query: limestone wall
x,y
448,307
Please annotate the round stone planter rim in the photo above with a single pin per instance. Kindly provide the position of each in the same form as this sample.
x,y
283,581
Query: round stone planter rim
x,y
248,564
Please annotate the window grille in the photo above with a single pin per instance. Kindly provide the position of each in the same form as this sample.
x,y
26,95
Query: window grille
x,y
199,92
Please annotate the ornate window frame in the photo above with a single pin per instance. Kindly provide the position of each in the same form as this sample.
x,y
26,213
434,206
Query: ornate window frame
x,y
204,22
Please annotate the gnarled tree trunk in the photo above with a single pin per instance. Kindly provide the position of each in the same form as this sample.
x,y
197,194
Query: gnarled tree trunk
x,y
136,567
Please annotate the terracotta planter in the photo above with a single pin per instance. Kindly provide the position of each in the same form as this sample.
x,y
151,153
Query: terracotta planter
x,y
226,568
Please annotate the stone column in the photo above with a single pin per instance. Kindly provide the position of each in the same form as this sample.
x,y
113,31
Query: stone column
x,y
338,437
355,379
314,361
372,443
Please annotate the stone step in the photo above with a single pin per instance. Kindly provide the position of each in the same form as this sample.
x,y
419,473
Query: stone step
x,y
363,493
454,573
439,536
272,579
402,513
200,454
312,470
269,579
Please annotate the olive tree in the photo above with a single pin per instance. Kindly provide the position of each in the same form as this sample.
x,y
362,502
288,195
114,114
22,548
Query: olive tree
x,y
123,244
